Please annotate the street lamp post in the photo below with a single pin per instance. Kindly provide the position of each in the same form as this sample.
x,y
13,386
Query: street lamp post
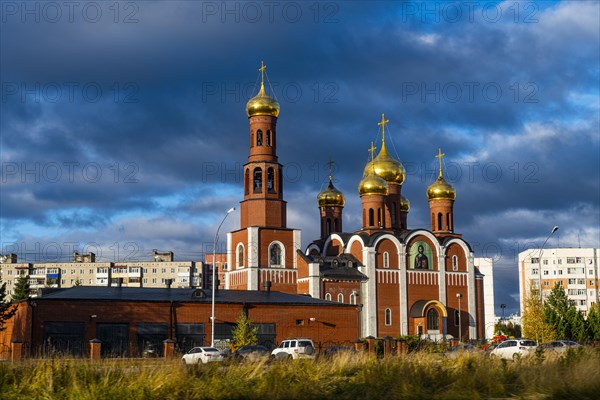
x,y
502,306
540,261
214,281
459,296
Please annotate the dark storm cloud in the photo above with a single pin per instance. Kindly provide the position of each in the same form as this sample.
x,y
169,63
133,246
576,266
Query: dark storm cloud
x,y
515,95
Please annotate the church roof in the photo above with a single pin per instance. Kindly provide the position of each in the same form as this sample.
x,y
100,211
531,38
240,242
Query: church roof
x,y
343,266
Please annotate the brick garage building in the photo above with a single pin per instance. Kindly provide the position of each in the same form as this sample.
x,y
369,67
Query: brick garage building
x,y
129,321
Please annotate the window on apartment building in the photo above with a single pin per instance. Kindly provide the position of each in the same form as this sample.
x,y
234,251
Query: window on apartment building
x,y
582,302
560,261
546,283
63,281
340,298
153,270
388,316
163,270
535,260
145,270
153,280
534,271
578,259
545,262
591,272
10,271
560,271
591,282
386,259
145,280
172,270
546,272
570,260
73,272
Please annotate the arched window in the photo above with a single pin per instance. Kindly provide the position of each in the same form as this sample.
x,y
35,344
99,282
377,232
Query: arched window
x,y
275,255
270,180
268,138
393,213
454,263
239,262
388,316
379,217
433,320
386,259
251,139
456,318
327,226
352,298
257,180
340,298
247,182
371,217
259,138
328,297
447,221
439,221
336,225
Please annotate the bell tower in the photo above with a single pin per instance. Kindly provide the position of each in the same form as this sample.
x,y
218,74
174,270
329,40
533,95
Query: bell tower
x,y
263,203
263,253
331,203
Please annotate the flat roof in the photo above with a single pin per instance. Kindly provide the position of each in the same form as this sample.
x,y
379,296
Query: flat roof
x,y
188,295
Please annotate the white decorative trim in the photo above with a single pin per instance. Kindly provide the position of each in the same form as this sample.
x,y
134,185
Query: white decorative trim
x,y
329,240
297,245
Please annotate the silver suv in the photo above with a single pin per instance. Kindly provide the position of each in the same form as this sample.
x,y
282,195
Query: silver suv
x,y
294,349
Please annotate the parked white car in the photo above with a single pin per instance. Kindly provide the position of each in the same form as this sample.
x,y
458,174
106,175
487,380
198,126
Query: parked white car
x,y
202,355
294,349
513,349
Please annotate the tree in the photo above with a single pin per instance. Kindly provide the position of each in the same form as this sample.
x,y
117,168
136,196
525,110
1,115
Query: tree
x,y
244,333
21,290
508,328
556,308
593,320
578,326
534,324
7,310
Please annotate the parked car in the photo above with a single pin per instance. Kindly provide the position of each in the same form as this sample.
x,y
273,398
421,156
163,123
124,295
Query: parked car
x,y
294,349
202,355
461,348
513,349
251,353
559,346
152,350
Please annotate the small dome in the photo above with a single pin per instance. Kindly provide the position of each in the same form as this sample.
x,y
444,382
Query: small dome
x,y
262,104
331,197
404,204
372,184
387,167
440,189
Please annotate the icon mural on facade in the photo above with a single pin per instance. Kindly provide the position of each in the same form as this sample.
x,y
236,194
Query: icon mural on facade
x,y
421,256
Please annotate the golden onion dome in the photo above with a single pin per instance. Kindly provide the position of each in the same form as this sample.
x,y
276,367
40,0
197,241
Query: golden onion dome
x,y
262,104
331,197
387,167
404,204
372,184
440,189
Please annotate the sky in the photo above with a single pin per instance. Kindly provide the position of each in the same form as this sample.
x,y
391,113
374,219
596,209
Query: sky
x,y
123,125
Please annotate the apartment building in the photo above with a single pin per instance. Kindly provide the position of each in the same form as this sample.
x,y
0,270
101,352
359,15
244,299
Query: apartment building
x,y
84,270
576,269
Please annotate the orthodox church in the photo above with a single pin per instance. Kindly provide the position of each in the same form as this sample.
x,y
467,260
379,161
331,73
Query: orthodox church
x,y
403,280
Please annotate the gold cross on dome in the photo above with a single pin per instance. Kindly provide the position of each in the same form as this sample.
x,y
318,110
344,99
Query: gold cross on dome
x,y
382,124
372,151
440,155
330,169
262,71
